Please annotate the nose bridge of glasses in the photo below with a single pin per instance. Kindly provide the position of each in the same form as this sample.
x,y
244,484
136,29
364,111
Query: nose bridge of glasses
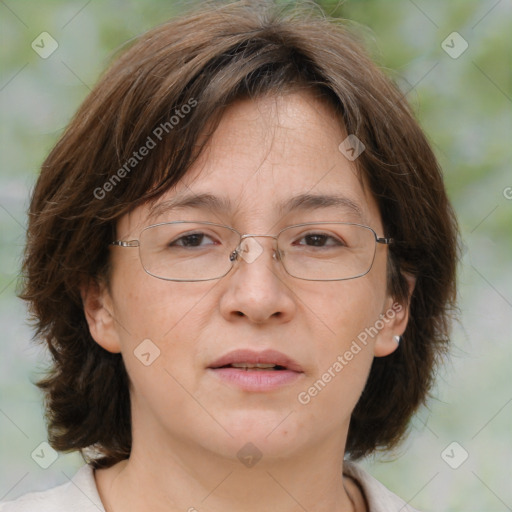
x,y
249,249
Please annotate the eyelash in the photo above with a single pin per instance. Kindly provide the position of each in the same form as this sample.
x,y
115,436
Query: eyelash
x,y
325,236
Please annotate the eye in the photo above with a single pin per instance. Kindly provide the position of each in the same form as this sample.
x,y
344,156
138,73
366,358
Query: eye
x,y
190,240
321,240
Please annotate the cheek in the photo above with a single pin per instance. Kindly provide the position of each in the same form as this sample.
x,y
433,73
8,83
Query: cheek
x,y
343,356
347,312
158,317
147,307
347,308
157,323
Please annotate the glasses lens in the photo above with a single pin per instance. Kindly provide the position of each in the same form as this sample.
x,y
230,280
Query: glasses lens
x,y
200,251
189,251
327,251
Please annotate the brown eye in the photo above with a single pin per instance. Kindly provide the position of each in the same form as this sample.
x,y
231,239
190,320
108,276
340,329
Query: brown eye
x,y
190,240
320,240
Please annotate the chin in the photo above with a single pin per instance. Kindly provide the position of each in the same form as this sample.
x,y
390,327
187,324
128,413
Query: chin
x,y
262,432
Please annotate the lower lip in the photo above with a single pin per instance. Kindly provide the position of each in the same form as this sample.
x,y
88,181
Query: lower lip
x,y
256,380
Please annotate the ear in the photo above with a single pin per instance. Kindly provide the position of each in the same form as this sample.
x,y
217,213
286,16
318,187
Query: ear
x,y
98,309
394,318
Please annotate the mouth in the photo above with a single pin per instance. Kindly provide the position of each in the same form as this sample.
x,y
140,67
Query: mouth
x,y
255,366
249,360
256,371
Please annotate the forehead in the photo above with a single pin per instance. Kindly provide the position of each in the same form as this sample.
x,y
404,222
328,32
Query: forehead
x,y
270,159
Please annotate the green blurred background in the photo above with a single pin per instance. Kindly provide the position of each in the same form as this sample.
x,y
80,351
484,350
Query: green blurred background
x,y
464,105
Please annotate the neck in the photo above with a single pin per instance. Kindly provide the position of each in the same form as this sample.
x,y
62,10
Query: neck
x,y
181,477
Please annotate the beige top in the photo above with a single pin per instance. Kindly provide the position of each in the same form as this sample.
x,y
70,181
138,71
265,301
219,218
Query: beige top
x,y
81,495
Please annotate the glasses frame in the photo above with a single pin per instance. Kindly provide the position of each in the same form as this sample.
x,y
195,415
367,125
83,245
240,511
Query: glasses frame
x,y
235,254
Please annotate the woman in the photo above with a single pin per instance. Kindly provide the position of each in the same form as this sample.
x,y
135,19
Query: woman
x,y
242,258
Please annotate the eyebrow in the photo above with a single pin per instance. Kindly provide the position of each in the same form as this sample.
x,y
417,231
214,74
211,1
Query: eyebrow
x,y
210,202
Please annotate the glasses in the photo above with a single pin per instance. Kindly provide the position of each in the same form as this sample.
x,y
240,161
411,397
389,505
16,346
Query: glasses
x,y
203,251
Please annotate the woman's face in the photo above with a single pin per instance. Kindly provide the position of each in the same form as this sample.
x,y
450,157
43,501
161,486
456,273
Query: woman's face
x,y
263,154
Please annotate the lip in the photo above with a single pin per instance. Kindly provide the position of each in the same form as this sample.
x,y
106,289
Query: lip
x,y
253,357
256,380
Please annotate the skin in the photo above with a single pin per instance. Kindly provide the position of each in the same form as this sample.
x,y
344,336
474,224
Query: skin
x,y
187,425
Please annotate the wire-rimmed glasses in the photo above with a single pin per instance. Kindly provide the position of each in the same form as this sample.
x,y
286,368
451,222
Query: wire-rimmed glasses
x,y
203,251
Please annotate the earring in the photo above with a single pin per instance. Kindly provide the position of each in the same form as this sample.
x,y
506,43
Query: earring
x,y
398,339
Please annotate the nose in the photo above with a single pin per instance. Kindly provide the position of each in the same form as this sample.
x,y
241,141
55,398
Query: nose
x,y
257,287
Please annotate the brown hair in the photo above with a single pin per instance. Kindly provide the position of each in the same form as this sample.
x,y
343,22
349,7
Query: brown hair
x,y
207,59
